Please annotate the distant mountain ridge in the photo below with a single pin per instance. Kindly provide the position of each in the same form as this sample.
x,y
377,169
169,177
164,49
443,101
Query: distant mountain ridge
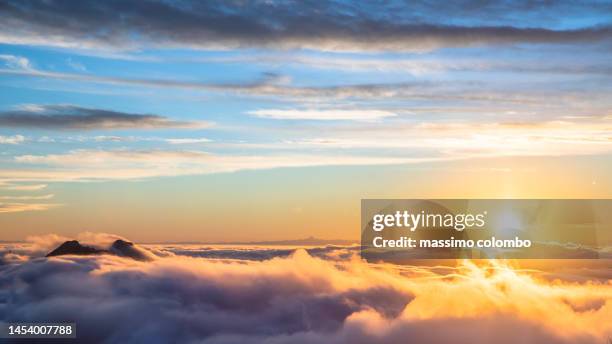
x,y
310,241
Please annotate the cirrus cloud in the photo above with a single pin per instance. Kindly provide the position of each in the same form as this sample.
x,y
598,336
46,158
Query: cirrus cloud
x,y
323,115
133,164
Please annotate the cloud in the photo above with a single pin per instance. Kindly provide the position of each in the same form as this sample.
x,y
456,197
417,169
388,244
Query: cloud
x,y
133,164
21,207
302,299
36,246
113,138
116,138
75,117
26,198
16,62
325,25
12,140
40,245
25,187
417,66
264,81
340,145
277,85
187,141
551,138
76,65
257,252
271,86
268,85
98,239
332,114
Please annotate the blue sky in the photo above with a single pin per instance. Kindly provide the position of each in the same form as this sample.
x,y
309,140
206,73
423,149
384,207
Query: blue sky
x,y
155,90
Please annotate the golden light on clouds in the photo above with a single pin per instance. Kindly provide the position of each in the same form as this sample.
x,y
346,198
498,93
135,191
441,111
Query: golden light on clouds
x,y
372,302
21,207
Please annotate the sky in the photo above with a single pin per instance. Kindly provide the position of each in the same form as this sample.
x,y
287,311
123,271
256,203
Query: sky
x,y
268,120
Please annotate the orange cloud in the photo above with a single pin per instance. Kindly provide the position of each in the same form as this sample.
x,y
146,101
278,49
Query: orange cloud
x,y
20,207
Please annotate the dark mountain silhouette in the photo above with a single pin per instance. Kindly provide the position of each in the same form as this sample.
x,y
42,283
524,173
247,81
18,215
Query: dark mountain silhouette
x,y
74,247
128,249
119,248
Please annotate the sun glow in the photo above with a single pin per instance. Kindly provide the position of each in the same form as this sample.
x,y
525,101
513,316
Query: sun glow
x,y
490,288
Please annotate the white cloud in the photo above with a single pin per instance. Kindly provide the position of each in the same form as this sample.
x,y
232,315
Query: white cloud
x,y
331,114
412,66
26,187
12,140
16,62
112,138
76,65
46,139
466,140
131,164
352,145
187,141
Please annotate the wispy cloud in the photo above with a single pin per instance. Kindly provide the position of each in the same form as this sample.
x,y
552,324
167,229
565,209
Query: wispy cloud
x,y
75,117
12,140
113,138
326,25
273,85
135,164
76,65
16,62
21,207
417,66
465,140
26,198
181,141
25,187
330,114
267,81
395,143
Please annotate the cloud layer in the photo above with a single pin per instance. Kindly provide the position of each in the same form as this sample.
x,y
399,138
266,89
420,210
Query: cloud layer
x,y
299,299
325,25
75,117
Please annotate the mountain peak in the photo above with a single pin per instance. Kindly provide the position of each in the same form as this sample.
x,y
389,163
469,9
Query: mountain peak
x,y
119,247
128,249
74,247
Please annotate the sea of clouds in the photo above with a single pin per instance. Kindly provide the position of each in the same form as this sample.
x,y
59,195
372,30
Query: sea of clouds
x,y
240,294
